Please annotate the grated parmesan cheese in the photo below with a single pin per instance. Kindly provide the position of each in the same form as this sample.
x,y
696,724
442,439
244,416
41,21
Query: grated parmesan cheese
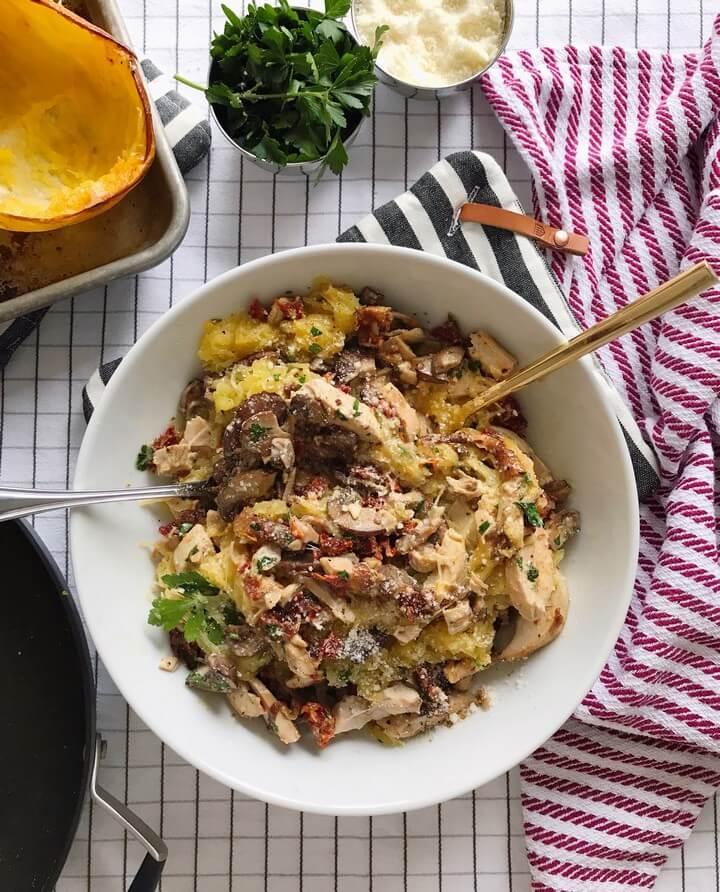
x,y
433,43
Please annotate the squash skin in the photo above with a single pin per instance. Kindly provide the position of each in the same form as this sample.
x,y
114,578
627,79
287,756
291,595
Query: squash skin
x,y
98,192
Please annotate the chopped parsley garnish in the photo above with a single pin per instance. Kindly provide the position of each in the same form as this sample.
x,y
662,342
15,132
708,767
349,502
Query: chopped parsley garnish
x,y
257,431
314,348
272,631
344,575
356,408
532,573
531,513
265,563
341,415
519,562
525,478
419,508
315,331
484,527
184,528
557,541
199,610
302,379
144,457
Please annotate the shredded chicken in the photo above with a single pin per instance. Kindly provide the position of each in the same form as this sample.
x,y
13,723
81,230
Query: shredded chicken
x,y
344,410
353,712
172,461
493,359
531,576
194,547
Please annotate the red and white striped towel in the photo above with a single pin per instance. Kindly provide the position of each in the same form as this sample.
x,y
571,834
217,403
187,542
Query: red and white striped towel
x,y
625,145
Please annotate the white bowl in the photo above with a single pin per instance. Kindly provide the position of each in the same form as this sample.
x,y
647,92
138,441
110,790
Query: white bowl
x,y
569,424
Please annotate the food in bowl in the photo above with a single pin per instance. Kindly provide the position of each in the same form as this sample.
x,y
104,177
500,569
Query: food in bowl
x,y
363,551
76,131
434,43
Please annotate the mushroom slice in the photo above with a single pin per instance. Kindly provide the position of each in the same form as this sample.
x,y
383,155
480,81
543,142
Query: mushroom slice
x,y
274,714
560,527
493,359
353,712
532,635
396,353
244,703
446,360
531,576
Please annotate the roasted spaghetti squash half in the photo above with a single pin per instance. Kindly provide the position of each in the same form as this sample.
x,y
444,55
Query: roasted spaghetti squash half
x,y
76,129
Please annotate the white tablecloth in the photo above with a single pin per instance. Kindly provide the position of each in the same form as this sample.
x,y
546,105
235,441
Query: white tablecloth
x,y
219,840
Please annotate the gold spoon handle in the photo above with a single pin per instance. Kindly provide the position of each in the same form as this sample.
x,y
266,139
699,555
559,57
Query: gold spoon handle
x,y
665,297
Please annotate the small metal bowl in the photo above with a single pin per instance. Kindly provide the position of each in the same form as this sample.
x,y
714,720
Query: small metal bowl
x,y
294,168
414,91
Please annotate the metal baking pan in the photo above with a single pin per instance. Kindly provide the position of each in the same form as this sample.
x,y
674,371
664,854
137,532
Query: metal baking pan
x,y
40,268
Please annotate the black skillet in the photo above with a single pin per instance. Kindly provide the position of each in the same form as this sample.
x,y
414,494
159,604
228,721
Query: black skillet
x,y
49,748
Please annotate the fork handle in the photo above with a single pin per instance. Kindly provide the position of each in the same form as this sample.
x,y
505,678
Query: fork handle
x,y
23,502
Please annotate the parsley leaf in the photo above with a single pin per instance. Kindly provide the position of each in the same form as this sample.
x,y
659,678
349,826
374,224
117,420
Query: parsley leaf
x,y
290,85
257,431
356,408
144,457
200,610
315,332
532,573
484,527
532,516
314,348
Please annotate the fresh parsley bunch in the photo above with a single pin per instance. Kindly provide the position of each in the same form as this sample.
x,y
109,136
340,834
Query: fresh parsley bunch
x,y
290,84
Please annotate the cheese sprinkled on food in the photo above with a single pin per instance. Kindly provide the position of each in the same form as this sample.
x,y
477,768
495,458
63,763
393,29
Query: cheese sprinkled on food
x,y
433,43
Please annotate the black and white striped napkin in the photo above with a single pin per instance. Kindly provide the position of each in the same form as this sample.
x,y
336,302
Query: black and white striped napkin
x,y
187,131
424,218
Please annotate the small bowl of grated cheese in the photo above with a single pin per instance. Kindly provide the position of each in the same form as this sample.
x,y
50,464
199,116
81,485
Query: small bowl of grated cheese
x,y
434,48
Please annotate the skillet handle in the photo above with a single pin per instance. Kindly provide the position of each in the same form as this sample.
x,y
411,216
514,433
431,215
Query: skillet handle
x,y
148,876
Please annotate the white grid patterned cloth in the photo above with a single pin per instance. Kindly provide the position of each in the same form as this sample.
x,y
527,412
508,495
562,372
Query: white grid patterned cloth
x,y
220,841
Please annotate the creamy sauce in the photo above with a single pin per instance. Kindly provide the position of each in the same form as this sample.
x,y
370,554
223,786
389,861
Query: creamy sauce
x,y
433,43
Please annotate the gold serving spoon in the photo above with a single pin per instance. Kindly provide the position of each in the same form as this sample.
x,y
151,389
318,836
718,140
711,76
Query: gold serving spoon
x,y
665,297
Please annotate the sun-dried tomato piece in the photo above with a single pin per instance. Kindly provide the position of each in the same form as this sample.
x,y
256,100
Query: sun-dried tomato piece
x,y
291,307
327,648
373,324
301,609
169,437
449,332
253,586
316,487
321,722
331,546
257,311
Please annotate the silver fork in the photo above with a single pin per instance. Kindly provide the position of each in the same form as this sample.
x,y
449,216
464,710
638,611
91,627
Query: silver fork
x,y
16,503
